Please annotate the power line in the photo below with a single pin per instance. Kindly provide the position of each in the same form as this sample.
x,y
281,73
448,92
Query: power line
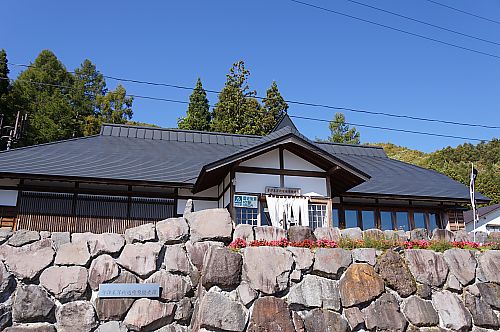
x,y
295,102
391,129
464,12
293,116
397,29
425,23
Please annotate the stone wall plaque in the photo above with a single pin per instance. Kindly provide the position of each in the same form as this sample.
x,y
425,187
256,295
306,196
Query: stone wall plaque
x,y
129,290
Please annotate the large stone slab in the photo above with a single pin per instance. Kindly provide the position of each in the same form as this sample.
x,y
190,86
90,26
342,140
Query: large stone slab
x,y
34,327
331,262
32,304
28,261
420,312
196,251
325,321
392,268
184,310
212,224
140,258
22,237
246,294
222,268
147,314
354,317
354,233
219,312
73,254
66,283
270,314
482,314
360,284
102,269
267,268
5,234
77,316
452,312
142,233
428,267
315,292
269,233
7,283
109,309
462,264
489,265
176,259
111,327
490,293
172,230
105,243
384,315
173,286
442,235
327,233
300,233
6,313
303,257
60,238
245,232
364,255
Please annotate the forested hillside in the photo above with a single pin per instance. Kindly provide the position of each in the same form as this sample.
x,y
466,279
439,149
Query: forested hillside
x,y
456,163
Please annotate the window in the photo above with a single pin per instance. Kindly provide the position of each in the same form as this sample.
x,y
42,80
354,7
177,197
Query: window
x,y
402,221
335,218
386,221
368,218
317,215
246,216
419,219
351,218
433,221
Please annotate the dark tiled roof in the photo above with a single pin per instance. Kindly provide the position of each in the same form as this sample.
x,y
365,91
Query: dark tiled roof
x,y
177,156
468,216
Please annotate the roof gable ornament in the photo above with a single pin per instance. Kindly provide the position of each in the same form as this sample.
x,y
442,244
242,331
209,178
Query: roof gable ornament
x,y
283,122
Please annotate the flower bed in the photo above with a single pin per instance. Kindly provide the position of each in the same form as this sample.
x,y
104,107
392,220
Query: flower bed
x,y
380,244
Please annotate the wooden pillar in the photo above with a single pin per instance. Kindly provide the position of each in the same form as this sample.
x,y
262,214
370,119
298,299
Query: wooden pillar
x,y
341,214
232,210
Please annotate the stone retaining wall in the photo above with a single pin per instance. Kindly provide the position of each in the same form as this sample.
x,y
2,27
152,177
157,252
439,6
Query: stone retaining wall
x,y
49,281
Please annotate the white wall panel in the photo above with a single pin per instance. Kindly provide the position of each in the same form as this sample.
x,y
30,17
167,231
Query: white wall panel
x,y
203,205
308,186
294,162
269,159
227,197
255,183
8,197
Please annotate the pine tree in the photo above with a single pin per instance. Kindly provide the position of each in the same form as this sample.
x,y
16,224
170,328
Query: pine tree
x,y
340,131
114,107
274,108
237,111
88,85
198,114
47,103
4,74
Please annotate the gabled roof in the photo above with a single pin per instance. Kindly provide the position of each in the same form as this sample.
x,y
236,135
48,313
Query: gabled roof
x,y
481,212
159,156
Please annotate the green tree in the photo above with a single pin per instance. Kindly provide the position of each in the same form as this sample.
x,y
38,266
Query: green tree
x,y
198,113
114,107
89,84
50,114
274,107
5,87
340,131
237,111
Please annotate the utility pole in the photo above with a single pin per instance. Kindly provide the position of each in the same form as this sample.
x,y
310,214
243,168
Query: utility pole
x,y
12,134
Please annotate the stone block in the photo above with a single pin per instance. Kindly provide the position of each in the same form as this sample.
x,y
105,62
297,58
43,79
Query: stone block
x,y
142,233
331,262
172,230
28,261
420,312
364,255
173,286
270,314
303,257
360,284
105,243
102,269
324,320
140,258
384,315
32,304
327,233
354,233
22,237
427,266
244,232
300,233
146,314
213,224
489,265
315,292
73,254
222,268
269,233
176,259
462,264
66,283
78,316
452,312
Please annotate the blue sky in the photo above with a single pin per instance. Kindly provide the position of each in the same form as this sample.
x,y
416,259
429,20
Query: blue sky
x,y
314,57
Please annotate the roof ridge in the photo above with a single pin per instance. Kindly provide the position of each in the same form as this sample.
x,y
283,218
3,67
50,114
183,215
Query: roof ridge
x,y
49,143
177,130
350,145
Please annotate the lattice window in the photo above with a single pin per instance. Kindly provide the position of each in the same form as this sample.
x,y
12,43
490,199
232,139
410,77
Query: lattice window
x,y
247,216
317,215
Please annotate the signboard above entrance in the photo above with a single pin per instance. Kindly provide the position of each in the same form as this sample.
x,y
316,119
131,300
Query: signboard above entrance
x,y
283,191
245,201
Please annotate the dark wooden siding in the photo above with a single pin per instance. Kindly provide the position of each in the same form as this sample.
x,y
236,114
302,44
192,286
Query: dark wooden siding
x,y
66,212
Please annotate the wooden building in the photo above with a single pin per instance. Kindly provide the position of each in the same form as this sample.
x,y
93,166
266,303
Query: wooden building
x,y
129,175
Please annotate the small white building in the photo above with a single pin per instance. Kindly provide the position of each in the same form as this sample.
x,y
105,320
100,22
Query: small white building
x,y
489,219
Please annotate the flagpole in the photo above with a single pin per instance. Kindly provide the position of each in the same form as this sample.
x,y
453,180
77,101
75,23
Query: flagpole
x,y
473,199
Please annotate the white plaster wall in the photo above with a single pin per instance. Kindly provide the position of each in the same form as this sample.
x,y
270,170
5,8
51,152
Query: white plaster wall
x,y
8,197
294,162
490,219
255,183
269,159
227,198
308,186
